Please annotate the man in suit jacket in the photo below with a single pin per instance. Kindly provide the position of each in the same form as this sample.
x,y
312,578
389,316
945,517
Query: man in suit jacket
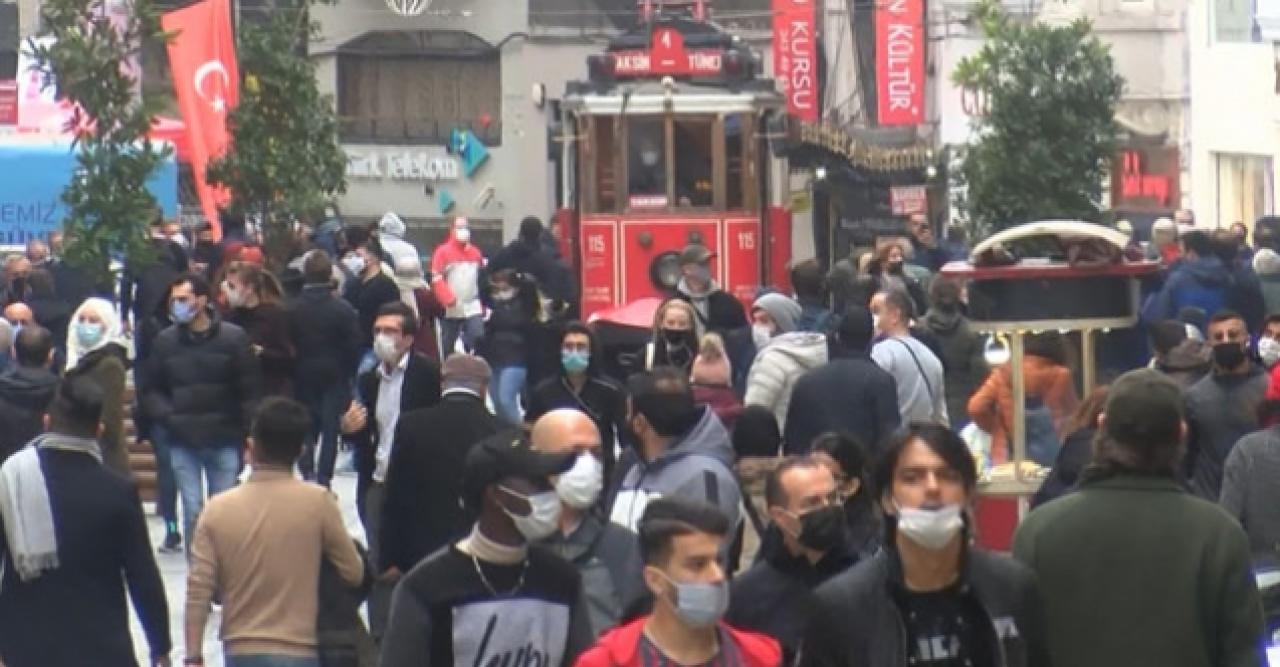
x,y
402,381
423,511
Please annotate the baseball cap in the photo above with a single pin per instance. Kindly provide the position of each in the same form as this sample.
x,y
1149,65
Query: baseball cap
x,y
1144,407
508,455
695,253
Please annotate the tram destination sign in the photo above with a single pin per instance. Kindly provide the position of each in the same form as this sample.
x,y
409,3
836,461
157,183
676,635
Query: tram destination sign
x,y
667,56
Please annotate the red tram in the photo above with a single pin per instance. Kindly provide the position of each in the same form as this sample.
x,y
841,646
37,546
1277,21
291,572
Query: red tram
x,y
673,140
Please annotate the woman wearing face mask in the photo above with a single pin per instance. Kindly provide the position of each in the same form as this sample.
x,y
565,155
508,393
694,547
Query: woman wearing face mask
x,y
96,348
514,309
675,338
888,271
928,597
255,301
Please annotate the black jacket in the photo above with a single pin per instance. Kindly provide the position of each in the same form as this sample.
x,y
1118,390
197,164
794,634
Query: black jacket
x,y
724,312
326,337
144,289
203,386
554,278
25,394
267,326
508,331
852,394
857,621
423,509
1073,458
775,596
78,614
367,296
603,400
421,389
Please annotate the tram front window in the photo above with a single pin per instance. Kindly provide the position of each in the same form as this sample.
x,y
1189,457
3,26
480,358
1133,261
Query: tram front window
x,y
647,161
693,162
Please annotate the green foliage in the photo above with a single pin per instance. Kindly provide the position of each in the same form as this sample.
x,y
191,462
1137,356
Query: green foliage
x,y
109,207
1046,140
285,161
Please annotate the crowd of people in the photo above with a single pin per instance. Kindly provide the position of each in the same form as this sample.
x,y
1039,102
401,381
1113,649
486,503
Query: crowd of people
x,y
792,482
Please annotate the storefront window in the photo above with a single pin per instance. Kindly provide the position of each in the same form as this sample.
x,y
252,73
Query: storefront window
x,y
1245,189
693,162
647,162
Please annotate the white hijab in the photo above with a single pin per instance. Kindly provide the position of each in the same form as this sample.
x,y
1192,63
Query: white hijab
x,y
113,333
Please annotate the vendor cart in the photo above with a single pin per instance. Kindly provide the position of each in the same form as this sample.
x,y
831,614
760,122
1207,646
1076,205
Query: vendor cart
x,y
1045,290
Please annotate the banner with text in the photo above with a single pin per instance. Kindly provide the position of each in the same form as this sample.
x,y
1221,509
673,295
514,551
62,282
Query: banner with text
x,y
795,57
900,54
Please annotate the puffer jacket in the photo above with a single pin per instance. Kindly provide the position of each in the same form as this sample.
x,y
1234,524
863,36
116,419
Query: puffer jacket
x,y
857,621
991,408
962,356
779,365
203,386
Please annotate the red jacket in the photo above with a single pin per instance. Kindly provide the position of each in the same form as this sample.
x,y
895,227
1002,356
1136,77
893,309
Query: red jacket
x,y
620,647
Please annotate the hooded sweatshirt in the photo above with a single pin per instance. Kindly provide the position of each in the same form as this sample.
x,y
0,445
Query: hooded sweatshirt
x,y
784,310
698,466
392,230
455,269
1202,283
25,394
779,365
1187,362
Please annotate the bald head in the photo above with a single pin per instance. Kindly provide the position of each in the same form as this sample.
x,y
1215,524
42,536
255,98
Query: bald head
x,y
19,314
565,430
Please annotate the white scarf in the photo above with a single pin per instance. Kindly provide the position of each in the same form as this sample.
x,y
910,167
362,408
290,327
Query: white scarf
x,y
25,507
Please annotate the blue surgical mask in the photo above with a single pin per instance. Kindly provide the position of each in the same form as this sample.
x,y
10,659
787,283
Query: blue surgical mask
x,y
89,334
182,312
574,361
701,605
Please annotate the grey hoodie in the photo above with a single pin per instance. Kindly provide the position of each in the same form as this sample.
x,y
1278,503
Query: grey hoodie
x,y
697,466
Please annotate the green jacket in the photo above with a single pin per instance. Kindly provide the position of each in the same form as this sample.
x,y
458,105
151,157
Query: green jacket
x,y
1135,571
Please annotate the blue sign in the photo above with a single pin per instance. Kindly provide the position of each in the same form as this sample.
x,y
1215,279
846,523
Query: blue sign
x,y
32,178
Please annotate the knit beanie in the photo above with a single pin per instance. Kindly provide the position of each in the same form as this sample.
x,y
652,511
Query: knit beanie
x,y
784,310
711,367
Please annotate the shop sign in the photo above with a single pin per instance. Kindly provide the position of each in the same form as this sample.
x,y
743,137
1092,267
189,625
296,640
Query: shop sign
x,y
795,56
908,200
1146,177
402,165
8,102
900,52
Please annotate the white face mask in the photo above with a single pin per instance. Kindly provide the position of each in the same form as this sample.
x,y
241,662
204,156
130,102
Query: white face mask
x,y
930,528
543,520
235,297
580,486
354,264
1269,350
761,334
463,234
385,349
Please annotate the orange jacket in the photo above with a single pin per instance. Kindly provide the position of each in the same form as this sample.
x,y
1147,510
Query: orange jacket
x,y
991,407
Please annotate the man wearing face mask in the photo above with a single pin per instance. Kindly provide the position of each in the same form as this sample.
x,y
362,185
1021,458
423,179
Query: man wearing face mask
x,y
920,378
582,385
717,310
782,353
928,597
423,508
1223,406
455,271
775,596
605,554
494,597
680,543
201,386
368,289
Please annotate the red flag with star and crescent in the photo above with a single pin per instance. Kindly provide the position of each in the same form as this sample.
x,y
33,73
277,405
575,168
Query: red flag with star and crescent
x,y
202,58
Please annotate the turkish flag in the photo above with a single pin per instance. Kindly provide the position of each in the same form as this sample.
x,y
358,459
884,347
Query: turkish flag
x,y
202,58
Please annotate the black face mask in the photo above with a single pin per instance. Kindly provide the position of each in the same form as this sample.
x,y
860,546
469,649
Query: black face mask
x,y
895,268
676,337
1228,355
822,529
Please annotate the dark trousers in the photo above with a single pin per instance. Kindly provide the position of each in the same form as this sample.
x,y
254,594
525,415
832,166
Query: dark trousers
x,y
166,484
326,404
380,594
